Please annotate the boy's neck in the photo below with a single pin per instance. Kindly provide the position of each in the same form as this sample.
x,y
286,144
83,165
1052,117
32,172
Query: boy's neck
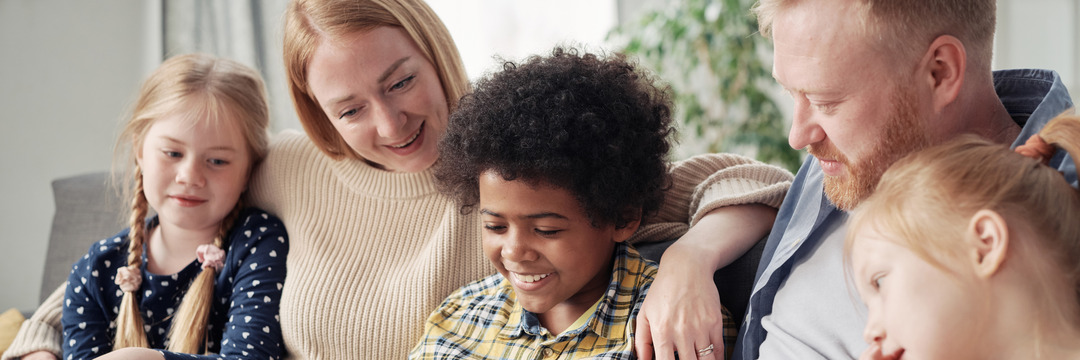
x,y
560,318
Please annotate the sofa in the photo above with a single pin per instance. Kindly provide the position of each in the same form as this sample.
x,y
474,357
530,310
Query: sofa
x,y
88,210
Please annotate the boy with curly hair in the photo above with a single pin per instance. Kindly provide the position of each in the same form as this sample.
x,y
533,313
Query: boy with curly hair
x,y
563,156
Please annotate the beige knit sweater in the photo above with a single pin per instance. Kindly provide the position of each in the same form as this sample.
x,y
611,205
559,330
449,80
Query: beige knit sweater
x,y
373,252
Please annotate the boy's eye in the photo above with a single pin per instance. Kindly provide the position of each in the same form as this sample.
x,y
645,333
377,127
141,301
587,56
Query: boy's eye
x,y
402,83
547,232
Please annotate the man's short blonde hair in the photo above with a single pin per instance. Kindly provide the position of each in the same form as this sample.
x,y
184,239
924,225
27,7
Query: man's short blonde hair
x,y
906,28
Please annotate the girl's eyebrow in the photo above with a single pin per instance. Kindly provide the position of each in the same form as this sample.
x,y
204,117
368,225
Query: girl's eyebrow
x,y
222,147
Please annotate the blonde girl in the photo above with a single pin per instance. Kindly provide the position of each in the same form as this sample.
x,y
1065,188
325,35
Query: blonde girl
x,y
203,275
969,250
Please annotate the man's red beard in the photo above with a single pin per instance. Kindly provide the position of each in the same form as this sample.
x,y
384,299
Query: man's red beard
x,y
901,135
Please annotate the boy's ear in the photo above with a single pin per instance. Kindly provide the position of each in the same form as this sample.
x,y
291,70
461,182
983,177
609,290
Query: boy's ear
x,y
988,237
625,232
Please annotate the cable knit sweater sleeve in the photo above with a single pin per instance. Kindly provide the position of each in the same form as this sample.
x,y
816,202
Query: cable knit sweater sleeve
x,y
41,331
703,183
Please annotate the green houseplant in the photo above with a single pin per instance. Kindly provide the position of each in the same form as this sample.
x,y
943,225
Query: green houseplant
x,y
711,54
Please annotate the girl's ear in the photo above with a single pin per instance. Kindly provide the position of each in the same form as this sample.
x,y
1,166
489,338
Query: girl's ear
x,y
137,150
623,233
988,237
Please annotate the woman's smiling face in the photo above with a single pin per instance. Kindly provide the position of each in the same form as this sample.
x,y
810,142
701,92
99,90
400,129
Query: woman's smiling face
x,y
383,96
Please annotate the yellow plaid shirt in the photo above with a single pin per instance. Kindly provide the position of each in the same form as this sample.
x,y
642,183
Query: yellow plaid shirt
x,y
484,320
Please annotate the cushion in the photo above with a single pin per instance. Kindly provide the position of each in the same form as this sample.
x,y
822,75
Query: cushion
x,y
87,210
9,326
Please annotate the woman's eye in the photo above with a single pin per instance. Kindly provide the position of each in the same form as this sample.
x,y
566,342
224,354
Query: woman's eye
x,y
172,154
351,112
217,162
402,83
495,228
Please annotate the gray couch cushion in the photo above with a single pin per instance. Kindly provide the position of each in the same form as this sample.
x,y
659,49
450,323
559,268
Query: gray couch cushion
x,y
87,210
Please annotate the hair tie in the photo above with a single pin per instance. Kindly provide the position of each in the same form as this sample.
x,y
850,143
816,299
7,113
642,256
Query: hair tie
x,y
211,257
129,278
1037,149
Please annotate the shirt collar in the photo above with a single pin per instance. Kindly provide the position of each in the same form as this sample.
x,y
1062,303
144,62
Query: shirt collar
x,y
521,322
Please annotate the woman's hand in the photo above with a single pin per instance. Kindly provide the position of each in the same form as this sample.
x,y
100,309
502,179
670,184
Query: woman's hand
x,y
681,311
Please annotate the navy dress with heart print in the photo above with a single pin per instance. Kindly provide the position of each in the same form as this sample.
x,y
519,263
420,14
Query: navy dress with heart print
x,y
244,320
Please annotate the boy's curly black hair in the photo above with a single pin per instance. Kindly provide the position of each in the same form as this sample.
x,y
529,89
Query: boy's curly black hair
x,y
594,125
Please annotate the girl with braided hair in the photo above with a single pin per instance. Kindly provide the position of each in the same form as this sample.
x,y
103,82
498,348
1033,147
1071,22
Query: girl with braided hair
x,y
203,275
969,250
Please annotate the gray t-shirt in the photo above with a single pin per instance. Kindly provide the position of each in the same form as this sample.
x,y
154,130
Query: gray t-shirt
x,y
817,313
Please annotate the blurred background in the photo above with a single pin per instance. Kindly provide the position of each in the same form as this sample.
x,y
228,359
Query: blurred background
x,y
69,71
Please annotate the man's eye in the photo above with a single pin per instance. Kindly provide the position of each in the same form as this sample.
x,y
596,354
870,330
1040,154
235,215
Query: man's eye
x,y
827,108
494,227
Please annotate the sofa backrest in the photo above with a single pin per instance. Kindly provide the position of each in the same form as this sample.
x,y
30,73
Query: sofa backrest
x,y
87,210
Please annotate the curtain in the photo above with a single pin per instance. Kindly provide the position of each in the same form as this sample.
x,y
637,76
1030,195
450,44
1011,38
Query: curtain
x,y
248,31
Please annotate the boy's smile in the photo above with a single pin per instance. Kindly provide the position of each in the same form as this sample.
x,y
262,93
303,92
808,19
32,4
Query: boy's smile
x,y
541,241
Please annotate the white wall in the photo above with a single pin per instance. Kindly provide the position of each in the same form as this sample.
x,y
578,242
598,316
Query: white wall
x,y
68,72
1041,34
514,30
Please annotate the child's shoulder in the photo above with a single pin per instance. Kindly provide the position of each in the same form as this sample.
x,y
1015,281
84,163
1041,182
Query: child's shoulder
x,y
485,295
254,217
254,226
108,247
107,253
635,273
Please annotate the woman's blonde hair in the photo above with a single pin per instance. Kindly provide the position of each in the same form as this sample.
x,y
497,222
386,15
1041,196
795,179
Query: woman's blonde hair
x,y
926,200
200,87
309,22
